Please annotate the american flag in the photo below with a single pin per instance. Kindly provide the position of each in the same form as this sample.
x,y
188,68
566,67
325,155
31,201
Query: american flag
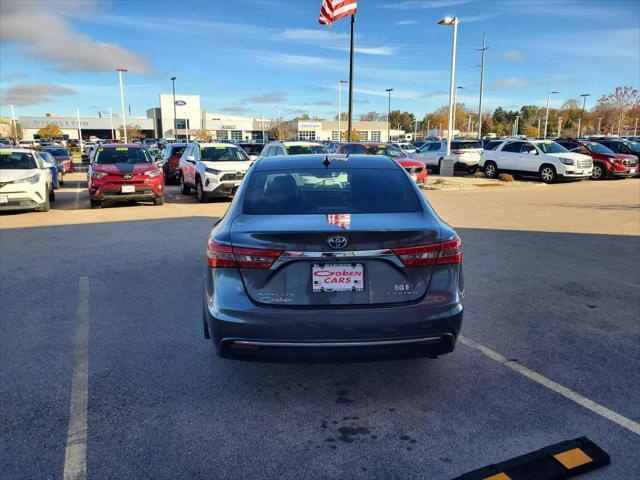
x,y
333,10
342,220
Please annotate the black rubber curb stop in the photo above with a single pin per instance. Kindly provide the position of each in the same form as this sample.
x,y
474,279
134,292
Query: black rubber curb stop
x,y
555,462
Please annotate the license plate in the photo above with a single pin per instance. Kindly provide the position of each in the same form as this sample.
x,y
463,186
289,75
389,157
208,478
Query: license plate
x,y
633,171
337,277
128,189
578,172
4,198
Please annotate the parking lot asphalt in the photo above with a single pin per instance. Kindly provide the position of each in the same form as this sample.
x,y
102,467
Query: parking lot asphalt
x,y
553,284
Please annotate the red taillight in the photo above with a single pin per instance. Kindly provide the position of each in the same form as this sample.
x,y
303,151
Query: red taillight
x,y
449,252
175,160
220,255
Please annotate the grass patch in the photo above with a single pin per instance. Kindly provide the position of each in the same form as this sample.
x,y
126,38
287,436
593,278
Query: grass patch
x,y
506,177
439,181
480,174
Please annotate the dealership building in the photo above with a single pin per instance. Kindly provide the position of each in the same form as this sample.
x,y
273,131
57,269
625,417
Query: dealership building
x,y
185,118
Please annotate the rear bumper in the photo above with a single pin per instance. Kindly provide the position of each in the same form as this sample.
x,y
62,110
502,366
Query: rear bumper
x,y
243,329
143,192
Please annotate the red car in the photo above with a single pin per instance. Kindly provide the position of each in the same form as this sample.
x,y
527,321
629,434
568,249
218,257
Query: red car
x,y
124,173
415,168
606,163
61,155
171,167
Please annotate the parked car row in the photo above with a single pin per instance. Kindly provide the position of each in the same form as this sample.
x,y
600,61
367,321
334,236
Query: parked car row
x,y
27,180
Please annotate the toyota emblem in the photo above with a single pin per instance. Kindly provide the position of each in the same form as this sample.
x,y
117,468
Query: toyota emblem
x,y
337,242
128,177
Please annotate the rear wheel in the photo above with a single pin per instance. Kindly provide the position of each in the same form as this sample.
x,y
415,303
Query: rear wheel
x,y
184,188
548,174
491,169
158,200
205,325
200,195
599,172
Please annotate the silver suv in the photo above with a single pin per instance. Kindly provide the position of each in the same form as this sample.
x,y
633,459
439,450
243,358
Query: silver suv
x,y
274,149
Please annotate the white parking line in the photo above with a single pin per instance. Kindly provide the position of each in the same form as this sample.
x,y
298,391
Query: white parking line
x,y
75,457
556,387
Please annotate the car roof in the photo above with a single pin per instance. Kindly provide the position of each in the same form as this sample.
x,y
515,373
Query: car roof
x,y
299,142
216,144
18,150
341,161
119,145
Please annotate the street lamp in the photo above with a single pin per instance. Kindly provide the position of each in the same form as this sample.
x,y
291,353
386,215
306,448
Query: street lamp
x,y
389,90
546,118
584,104
599,124
124,114
175,116
455,104
113,135
559,126
483,50
79,130
13,123
340,82
451,21
515,125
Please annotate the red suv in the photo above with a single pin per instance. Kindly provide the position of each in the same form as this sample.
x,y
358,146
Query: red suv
x,y
606,163
124,172
415,168
171,167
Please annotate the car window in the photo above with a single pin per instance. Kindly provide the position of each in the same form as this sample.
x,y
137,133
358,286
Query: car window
x,y
492,145
122,155
528,149
466,145
551,147
58,152
304,149
322,191
16,160
221,153
252,149
434,147
512,147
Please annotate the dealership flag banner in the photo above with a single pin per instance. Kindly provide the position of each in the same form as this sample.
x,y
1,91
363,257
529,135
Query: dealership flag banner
x,y
330,11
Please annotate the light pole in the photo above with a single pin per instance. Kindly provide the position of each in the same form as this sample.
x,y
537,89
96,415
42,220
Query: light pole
x,y
559,126
546,118
468,124
428,127
340,82
389,90
175,115
113,135
13,123
79,130
124,113
451,21
599,124
635,128
584,104
415,128
538,126
483,49
515,126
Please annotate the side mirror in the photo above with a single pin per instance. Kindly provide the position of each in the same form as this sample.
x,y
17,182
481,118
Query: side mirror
x,y
417,150
191,159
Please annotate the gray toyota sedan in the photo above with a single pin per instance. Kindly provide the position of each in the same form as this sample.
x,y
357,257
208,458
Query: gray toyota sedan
x,y
332,258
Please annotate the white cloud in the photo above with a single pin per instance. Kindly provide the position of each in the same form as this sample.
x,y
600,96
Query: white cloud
x,y
33,93
478,18
510,83
406,22
333,40
424,4
41,31
512,55
270,97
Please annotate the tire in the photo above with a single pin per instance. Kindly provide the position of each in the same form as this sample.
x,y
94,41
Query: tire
x,y
599,172
184,188
158,200
95,203
52,195
200,195
472,170
548,174
491,169
46,206
205,325
439,166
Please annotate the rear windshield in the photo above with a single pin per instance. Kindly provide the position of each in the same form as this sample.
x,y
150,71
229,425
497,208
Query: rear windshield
x,y
320,191
388,150
252,149
466,145
551,147
123,155
222,154
16,160
58,152
304,149
175,151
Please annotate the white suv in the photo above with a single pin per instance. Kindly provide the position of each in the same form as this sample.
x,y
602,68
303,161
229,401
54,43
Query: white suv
x,y
212,169
274,149
25,180
545,159
466,154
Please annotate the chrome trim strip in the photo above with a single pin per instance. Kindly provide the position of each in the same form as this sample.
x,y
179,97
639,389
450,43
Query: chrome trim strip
x,y
335,344
351,253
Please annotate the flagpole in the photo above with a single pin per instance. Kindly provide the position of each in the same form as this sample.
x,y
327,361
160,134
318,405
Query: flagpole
x,y
353,19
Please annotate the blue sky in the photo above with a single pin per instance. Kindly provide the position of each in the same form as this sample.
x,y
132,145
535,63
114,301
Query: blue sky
x,y
255,57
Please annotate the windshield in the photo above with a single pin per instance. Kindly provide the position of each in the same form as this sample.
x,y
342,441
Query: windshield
x,y
388,150
304,149
16,160
633,146
320,191
58,152
123,155
551,147
596,147
222,154
407,146
252,149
